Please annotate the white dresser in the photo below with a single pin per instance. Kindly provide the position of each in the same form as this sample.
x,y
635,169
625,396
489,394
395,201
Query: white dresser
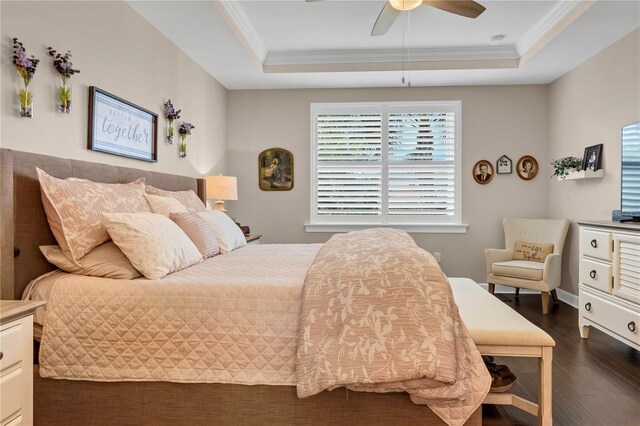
x,y
16,362
610,280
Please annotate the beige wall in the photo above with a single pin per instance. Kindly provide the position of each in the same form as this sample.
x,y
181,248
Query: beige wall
x,y
498,120
588,106
119,51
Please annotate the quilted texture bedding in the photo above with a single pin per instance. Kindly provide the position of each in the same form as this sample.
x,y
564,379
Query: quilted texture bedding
x,y
378,315
229,319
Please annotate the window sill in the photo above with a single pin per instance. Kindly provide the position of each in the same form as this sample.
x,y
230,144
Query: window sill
x,y
433,228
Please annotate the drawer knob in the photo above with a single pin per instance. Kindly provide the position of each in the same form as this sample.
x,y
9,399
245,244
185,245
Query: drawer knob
x,y
632,326
592,274
594,243
587,306
1,355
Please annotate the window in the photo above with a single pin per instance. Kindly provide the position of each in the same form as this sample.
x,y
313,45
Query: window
x,y
391,164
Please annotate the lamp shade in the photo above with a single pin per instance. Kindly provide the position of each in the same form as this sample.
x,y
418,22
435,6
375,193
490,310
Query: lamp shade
x,y
222,187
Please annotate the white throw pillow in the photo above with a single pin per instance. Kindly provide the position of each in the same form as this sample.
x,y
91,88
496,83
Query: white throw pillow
x,y
154,245
164,205
229,236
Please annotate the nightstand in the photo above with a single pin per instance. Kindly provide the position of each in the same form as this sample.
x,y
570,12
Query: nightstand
x,y
253,238
16,361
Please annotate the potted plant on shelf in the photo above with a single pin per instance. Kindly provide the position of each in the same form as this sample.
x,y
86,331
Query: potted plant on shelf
x,y
565,165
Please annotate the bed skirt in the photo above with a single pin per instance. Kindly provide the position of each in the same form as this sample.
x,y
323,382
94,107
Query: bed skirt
x,y
65,402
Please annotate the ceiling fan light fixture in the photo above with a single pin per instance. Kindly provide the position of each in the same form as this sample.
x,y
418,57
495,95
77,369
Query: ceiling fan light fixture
x,y
405,4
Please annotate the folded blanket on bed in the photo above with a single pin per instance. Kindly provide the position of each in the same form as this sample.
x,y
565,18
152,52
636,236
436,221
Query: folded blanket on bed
x,y
378,315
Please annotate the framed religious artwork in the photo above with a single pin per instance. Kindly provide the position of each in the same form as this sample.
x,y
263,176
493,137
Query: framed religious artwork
x,y
275,170
483,172
527,167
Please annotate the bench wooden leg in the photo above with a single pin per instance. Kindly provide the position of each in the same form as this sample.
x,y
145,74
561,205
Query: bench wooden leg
x,y
545,390
491,288
545,302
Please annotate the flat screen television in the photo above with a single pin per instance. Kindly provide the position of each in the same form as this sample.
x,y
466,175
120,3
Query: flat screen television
x,y
630,194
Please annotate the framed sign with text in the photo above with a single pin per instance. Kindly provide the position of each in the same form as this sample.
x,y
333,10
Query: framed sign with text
x,y
119,127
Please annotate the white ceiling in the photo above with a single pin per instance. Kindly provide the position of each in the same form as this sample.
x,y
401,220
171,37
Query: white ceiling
x,y
295,44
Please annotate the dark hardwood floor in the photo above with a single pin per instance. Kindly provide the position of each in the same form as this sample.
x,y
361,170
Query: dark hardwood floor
x,y
595,381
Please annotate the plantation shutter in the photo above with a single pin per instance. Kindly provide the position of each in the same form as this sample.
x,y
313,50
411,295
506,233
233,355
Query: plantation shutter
x,y
349,168
631,168
385,164
421,164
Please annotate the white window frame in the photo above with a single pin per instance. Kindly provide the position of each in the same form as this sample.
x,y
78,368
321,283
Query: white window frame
x,y
431,224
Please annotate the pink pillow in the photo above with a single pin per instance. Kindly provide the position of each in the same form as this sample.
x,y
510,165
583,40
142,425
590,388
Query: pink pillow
x,y
199,231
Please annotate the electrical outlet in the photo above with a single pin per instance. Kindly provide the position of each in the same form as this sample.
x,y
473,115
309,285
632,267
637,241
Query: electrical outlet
x,y
437,256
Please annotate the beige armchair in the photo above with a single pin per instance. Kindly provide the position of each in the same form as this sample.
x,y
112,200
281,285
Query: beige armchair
x,y
544,277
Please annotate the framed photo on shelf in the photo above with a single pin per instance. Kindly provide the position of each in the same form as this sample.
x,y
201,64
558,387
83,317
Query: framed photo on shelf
x,y
591,159
504,165
275,170
119,127
527,167
483,172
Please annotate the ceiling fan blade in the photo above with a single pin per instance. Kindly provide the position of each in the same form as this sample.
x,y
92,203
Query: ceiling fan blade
x,y
386,18
468,8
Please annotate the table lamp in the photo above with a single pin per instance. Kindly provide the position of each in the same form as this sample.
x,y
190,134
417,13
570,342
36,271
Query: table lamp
x,y
221,188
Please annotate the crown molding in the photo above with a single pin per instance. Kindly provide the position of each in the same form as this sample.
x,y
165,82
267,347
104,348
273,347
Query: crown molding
x,y
279,58
559,17
241,25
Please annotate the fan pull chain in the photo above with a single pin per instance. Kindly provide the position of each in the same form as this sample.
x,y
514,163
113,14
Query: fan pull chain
x,y
409,47
403,31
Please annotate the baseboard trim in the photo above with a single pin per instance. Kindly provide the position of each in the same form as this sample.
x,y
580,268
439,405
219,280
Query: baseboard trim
x,y
566,297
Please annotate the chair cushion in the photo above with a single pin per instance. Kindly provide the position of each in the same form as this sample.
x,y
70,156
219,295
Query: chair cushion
x,y
519,269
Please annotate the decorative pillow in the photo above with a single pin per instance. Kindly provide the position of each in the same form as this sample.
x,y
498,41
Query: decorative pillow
x,y
154,244
229,236
164,205
189,199
74,209
106,260
532,251
199,231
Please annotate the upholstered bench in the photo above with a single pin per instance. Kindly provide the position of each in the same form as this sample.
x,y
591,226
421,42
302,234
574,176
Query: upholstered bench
x,y
498,330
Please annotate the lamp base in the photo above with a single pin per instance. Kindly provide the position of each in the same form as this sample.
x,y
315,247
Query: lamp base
x,y
220,206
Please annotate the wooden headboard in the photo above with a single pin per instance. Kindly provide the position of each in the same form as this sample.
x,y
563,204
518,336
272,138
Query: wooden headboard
x,y
23,223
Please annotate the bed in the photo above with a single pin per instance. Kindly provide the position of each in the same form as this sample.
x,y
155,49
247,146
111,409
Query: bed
x,y
25,228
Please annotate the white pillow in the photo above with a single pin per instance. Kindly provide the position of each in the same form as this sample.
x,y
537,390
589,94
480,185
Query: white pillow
x,y
154,245
228,234
165,205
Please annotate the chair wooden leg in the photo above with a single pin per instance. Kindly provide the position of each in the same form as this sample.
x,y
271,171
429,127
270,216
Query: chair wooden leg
x,y
517,291
492,288
545,302
554,295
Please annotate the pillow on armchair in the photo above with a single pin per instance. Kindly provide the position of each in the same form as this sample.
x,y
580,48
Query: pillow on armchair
x,y
534,252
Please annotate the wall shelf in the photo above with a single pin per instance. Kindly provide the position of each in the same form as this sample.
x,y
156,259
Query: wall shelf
x,y
584,174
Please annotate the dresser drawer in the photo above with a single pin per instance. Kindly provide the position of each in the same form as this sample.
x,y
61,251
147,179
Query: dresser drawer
x,y
11,346
615,318
596,274
595,244
11,391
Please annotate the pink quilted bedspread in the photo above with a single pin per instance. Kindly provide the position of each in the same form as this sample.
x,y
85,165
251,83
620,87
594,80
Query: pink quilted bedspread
x,y
378,315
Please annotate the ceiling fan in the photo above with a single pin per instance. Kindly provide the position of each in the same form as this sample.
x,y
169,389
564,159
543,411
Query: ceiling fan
x,y
392,9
